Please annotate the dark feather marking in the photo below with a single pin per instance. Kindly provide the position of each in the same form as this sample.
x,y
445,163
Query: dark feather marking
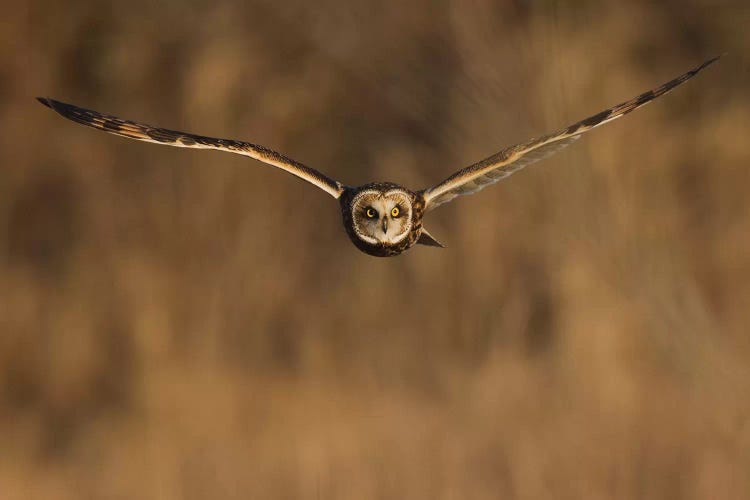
x,y
645,97
597,118
160,135
111,125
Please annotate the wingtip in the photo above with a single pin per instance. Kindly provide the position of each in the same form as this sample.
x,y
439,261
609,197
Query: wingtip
x,y
46,101
711,61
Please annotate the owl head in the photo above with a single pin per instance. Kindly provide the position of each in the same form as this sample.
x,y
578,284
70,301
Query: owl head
x,y
382,215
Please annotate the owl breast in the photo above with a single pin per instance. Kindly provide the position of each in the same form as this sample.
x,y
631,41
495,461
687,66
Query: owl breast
x,y
382,219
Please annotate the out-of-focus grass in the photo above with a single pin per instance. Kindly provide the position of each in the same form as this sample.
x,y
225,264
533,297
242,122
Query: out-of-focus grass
x,y
180,324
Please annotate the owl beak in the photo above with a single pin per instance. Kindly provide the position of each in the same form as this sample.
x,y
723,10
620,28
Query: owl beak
x,y
385,225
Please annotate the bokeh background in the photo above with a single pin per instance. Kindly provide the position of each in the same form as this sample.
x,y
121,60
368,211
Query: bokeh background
x,y
186,324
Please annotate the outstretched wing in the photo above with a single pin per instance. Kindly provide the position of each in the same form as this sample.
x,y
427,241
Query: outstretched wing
x,y
500,165
148,133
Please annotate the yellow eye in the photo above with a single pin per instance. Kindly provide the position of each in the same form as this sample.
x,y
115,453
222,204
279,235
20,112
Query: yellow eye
x,y
395,211
371,213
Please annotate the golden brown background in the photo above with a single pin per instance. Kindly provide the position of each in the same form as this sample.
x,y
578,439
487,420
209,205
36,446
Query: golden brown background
x,y
186,324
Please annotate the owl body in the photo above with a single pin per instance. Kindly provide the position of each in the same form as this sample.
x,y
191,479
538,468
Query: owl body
x,y
381,218
366,231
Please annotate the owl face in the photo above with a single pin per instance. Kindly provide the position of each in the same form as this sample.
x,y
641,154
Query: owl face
x,y
382,217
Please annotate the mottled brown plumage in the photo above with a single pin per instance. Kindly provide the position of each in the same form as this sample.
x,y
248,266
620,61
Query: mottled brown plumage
x,y
382,219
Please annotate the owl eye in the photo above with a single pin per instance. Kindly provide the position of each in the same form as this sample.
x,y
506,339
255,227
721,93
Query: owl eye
x,y
395,211
370,213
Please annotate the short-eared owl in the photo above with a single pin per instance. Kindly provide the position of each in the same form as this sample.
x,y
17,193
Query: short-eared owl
x,y
381,218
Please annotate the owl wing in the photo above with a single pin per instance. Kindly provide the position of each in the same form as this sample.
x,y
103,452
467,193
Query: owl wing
x,y
148,133
500,165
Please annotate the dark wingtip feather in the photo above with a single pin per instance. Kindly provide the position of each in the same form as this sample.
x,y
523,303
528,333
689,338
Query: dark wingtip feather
x,y
709,62
57,106
47,102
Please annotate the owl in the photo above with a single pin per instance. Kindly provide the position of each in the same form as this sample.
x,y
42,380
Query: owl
x,y
381,218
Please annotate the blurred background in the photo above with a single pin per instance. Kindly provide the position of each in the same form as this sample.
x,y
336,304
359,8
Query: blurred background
x,y
187,324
